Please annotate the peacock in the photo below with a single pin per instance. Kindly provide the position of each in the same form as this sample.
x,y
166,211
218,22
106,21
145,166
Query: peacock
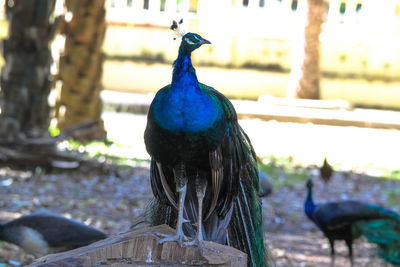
x,y
203,167
348,220
44,233
326,171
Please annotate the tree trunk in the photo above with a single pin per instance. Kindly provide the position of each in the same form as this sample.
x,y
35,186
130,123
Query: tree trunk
x,y
80,68
304,77
25,77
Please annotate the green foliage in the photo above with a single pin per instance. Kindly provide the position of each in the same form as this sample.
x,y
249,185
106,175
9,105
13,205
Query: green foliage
x,y
54,131
386,66
342,8
364,62
109,152
68,203
393,196
343,57
76,191
40,171
391,174
284,172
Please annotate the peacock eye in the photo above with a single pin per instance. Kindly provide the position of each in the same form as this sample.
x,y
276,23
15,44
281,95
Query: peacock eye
x,y
192,39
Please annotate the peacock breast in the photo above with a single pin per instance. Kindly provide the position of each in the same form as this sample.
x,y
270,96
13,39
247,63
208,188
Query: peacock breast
x,y
187,110
184,126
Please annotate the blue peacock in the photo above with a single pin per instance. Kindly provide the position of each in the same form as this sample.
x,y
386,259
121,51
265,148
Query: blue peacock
x,y
348,220
203,167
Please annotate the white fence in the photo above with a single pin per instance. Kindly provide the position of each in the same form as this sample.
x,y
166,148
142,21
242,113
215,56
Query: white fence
x,y
359,37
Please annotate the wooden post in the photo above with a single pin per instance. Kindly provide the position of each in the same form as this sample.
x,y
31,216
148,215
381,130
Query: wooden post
x,y
140,248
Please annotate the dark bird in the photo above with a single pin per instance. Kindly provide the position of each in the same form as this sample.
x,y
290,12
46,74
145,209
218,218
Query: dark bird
x,y
348,220
44,233
326,171
203,166
265,185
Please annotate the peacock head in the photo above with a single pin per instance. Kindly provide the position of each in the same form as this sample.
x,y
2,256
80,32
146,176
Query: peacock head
x,y
192,41
309,184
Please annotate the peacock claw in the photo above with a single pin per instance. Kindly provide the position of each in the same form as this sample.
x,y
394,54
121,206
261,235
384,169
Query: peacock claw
x,y
193,242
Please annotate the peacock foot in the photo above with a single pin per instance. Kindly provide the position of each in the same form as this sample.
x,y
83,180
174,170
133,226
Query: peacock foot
x,y
180,238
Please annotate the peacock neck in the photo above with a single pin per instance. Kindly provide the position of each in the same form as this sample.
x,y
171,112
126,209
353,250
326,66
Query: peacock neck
x,y
309,205
183,68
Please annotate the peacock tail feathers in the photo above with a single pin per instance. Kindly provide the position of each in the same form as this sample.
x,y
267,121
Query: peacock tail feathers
x,y
246,228
161,213
384,212
390,253
384,232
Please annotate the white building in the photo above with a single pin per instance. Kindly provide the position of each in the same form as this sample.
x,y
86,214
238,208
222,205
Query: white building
x,y
359,38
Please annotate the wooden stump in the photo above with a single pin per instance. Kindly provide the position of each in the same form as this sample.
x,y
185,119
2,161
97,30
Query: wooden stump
x,y
140,248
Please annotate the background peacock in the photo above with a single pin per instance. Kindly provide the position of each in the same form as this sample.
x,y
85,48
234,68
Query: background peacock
x,y
348,220
203,166
326,171
43,233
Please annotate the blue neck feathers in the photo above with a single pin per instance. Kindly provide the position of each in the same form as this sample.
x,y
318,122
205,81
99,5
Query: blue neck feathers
x,y
309,205
183,66
185,106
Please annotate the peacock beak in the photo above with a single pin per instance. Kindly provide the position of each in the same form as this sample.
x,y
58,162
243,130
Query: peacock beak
x,y
205,41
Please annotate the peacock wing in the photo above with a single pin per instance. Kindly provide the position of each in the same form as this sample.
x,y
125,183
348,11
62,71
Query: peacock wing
x,y
338,214
239,187
227,160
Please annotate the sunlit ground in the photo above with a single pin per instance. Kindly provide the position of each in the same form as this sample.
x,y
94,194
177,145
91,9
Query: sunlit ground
x,y
372,151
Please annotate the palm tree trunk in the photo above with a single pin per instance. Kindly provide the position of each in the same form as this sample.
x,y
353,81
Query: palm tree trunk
x,y
304,81
80,68
25,77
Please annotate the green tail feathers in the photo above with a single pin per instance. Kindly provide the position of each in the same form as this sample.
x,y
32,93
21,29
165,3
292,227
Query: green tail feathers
x,y
245,230
386,234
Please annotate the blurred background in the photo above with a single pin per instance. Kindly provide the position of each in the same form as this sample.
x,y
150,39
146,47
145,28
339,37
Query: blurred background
x,y
309,80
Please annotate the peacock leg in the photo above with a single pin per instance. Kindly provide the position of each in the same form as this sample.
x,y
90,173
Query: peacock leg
x,y
201,185
349,244
332,243
181,186
332,260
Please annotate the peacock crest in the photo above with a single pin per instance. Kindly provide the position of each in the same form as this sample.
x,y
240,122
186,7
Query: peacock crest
x,y
178,29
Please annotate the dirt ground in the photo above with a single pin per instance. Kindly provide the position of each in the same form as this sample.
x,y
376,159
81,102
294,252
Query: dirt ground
x,y
110,198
